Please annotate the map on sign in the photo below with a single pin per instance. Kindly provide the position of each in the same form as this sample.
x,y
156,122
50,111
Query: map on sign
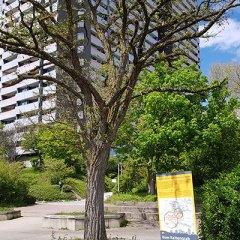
x,y
177,215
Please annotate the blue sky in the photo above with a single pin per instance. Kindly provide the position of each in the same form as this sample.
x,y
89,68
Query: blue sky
x,y
224,47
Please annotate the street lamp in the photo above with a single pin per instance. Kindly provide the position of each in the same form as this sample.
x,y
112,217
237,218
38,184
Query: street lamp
x,y
119,172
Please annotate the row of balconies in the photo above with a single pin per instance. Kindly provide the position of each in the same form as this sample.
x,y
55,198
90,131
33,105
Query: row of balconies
x,y
13,89
11,8
26,95
48,104
26,121
20,70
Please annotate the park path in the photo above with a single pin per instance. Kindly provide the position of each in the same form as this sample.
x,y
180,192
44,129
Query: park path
x,y
29,226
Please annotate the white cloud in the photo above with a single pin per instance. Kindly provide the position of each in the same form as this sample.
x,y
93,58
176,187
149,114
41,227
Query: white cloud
x,y
225,38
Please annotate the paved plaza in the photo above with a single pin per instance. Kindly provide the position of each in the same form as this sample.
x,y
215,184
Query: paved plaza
x,y
29,226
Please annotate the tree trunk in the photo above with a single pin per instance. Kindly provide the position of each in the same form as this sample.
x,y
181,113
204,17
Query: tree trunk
x,y
94,228
150,181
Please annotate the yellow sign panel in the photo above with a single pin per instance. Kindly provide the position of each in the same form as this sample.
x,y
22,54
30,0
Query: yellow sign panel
x,y
176,206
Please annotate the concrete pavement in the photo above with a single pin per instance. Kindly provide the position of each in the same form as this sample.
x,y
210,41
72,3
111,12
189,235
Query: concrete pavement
x,y
29,227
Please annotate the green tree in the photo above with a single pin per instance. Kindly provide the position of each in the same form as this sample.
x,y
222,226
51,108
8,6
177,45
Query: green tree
x,y
124,36
220,208
218,147
8,143
56,141
176,131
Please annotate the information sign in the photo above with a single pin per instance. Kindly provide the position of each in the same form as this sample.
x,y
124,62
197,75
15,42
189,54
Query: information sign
x,y
176,206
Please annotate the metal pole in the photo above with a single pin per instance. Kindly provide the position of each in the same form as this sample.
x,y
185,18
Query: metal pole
x,y
40,98
119,173
118,177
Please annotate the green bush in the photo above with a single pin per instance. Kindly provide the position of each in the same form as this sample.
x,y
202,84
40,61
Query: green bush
x,y
33,176
13,190
41,188
67,188
48,192
221,201
77,186
58,170
108,184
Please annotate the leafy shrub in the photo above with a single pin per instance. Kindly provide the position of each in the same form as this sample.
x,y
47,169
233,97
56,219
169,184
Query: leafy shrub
x,y
48,192
108,184
40,186
58,170
221,201
77,186
13,190
33,176
66,188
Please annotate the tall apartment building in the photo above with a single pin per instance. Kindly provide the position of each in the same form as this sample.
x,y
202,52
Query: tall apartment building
x,y
20,103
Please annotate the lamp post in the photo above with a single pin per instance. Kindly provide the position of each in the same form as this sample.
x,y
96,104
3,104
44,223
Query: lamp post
x,y
119,172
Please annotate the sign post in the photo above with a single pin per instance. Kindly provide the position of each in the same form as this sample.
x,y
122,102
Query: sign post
x,y
176,206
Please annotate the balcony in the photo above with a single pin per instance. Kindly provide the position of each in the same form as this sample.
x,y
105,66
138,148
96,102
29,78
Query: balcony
x,y
49,118
27,108
9,77
96,53
8,102
49,90
51,74
25,6
11,64
28,67
12,6
49,104
27,121
8,114
27,94
6,55
27,82
8,90
22,57
9,126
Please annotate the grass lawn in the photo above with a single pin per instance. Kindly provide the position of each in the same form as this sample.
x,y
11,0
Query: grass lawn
x,y
131,197
6,209
80,213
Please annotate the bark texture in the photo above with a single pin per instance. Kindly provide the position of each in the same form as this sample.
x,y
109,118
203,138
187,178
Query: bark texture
x,y
94,215
150,181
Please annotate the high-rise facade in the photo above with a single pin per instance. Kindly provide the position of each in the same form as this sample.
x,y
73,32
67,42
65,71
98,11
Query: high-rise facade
x,y
32,101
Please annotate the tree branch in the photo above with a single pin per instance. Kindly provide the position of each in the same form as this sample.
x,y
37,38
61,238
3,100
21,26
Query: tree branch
x,y
180,90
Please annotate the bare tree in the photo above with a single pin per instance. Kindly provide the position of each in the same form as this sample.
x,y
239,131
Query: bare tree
x,y
123,30
9,140
231,71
